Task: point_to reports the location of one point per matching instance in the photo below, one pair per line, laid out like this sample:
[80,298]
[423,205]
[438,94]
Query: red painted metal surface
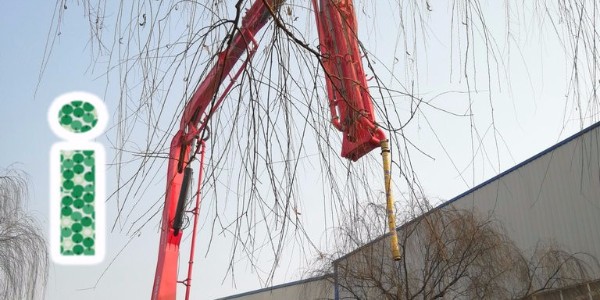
[165,278]
[349,99]
[350,105]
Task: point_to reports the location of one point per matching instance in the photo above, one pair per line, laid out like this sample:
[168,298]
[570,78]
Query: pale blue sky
[529,120]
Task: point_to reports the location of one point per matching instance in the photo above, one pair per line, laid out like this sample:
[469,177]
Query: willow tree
[449,253]
[274,126]
[23,251]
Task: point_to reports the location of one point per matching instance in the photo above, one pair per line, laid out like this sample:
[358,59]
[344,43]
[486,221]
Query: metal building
[552,198]
[311,288]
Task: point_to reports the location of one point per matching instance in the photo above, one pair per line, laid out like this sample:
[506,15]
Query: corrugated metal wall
[555,197]
[317,288]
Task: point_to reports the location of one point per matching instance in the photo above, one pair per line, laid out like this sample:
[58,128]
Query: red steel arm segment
[349,98]
[165,279]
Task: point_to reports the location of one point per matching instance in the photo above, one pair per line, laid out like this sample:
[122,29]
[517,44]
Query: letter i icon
[77,175]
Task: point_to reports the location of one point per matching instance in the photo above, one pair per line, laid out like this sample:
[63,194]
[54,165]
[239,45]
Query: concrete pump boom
[349,102]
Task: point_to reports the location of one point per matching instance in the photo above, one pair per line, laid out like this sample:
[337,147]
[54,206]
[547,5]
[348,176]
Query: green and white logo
[77,233]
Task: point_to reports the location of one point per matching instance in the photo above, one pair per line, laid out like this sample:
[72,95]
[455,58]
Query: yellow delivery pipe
[385,154]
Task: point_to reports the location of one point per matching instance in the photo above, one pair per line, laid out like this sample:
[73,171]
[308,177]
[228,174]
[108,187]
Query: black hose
[183,194]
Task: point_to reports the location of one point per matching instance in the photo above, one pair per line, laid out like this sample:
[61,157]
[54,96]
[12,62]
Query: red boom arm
[350,104]
[349,98]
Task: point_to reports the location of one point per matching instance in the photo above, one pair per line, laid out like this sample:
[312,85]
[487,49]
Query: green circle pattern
[77,220]
[78,116]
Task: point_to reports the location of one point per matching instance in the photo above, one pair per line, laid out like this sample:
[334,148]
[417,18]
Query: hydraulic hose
[178,220]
